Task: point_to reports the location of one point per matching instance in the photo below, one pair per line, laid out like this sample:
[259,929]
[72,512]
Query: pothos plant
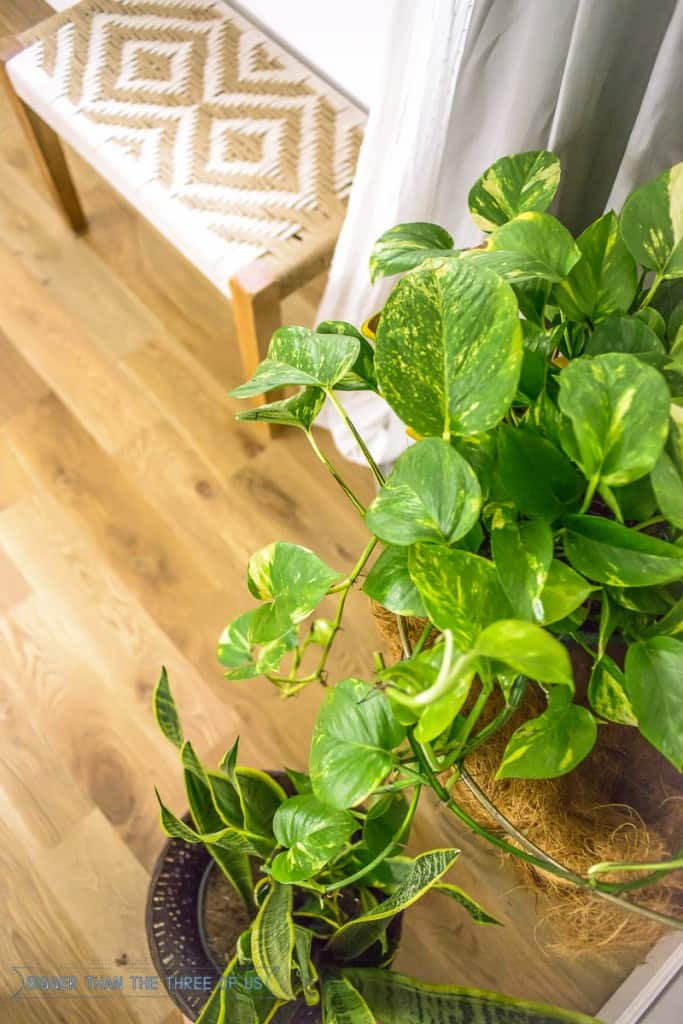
[540,377]
[323,889]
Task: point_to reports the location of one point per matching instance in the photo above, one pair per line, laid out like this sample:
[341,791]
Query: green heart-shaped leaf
[293,580]
[460,590]
[668,487]
[297,355]
[522,553]
[406,246]
[611,553]
[528,649]
[552,744]
[357,935]
[514,185]
[432,493]
[605,279]
[619,411]
[654,685]
[384,821]
[532,246]
[524,458]
[652,223]
[299,411]
[353,741]
[449,349]
[389,583]
[361,376]
[629,335]
[563,592]
[607,693]
[313,834]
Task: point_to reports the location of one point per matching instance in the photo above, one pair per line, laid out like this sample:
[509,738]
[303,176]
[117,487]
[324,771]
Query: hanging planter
[603,811]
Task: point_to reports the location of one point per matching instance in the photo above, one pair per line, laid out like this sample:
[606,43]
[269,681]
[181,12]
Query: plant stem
[336,622]
[650,522]
[518,690]
[539,860]
[592,485]
[357,438]
[337,476]
[395,839]
[653,288]
[423,638]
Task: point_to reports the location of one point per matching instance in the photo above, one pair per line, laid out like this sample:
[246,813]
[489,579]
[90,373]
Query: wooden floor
[129,502]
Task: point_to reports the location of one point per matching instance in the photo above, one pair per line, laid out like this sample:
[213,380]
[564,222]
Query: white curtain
[598,82]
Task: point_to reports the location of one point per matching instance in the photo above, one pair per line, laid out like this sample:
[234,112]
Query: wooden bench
[233,149]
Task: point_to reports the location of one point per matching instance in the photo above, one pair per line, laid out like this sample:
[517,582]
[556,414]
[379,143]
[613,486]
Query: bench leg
[256,308]
[49,155]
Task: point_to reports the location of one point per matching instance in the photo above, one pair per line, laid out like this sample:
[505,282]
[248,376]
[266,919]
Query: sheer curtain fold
[467,81]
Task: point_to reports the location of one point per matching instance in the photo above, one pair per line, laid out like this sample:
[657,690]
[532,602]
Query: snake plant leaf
[668,487]
[361,376]
[533,246]
[293,580]
[619,411]
[234,863]
[514,185]
[563,592]
[389,583]
[303,942]
[524,458]
[236,1000]
[261,796]
[460,590]
[608,552]
[343,1004]
[431,494]
[607,693]
[628,335]
[397,999]
[654,685]
[474,909]
[551,744]
[298,411]
[312,833]
[353,740]
[226,798]
[653,319]
[359,934]
[604,280]
[449,349]
[406,246]
[297,355]
[522,553]
[225,838]
[652,223]
[165,711]
[272,941]
[527,648]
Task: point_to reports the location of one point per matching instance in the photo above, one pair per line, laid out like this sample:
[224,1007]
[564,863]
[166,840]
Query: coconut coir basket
[624,802]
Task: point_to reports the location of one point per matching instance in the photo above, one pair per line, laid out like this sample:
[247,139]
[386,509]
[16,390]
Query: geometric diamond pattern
[224,140]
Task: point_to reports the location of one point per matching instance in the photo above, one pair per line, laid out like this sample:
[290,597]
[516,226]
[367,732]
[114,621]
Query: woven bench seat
[230,146]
